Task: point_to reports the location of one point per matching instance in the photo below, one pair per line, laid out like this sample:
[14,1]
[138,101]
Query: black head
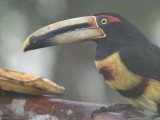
[116,26]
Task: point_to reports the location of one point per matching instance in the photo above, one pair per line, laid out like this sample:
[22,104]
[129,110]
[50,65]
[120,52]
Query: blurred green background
[70,65]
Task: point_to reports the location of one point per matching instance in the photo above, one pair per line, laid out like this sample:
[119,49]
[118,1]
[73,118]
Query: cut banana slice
[28,83]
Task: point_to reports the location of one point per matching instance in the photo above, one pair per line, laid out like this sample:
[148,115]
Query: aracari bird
[126,60]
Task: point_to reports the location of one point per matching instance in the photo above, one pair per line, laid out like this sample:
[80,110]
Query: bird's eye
[104,21]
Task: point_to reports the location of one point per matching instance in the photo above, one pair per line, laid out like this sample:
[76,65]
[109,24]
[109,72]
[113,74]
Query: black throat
[105,48]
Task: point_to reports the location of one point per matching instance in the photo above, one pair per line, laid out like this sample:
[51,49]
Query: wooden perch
[25,107]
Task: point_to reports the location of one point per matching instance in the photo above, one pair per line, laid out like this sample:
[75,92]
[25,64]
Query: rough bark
[24,107]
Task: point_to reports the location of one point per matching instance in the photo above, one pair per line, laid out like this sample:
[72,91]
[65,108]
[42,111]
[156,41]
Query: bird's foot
[100,110]
[111,108]
[152,117]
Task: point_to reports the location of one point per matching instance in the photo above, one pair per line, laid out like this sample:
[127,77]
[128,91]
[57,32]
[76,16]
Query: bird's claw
[100,110]
[112,108]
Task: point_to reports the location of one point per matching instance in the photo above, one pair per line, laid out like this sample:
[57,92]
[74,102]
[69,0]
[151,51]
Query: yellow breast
[119,76]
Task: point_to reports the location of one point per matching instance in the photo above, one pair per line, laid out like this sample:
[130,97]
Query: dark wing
[143,60]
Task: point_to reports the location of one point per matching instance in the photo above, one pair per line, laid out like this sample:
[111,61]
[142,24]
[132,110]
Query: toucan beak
[67,31]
